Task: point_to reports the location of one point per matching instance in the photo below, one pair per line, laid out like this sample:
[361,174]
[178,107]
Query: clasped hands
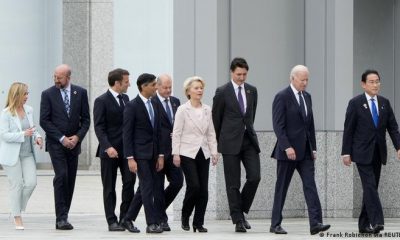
[70,142]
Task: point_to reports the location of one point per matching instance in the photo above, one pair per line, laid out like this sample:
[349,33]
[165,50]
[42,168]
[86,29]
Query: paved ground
[88,219]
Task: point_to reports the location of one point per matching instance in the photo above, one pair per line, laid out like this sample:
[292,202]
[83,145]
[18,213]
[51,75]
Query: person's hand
[214,159]
[74,140]
[111,152]
[314,155]
[347,160]
[290,153]
[398,154]
[39,142]
[160,163]
[29,132]
[132,165]
[177,160]
[66,142]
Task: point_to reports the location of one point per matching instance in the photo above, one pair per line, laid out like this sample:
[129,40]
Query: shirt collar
[68,88]
[296,93]
[143,98]
[162,99]
[369,97]
[114,93]
[235,86]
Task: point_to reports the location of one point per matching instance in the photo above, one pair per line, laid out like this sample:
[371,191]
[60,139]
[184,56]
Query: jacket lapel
[29,116]
[294,100]
[113,100]
[144,110]
[60,100]
[232,94]
[367,110]
[192,115]
[381,108]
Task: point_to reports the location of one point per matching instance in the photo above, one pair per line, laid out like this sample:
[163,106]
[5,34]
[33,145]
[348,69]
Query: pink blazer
[190,133]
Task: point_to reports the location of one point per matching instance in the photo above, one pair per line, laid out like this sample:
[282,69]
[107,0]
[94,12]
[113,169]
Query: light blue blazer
[11,136]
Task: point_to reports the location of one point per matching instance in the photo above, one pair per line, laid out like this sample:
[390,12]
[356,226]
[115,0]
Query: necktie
[375,116]
[302,106]
[121,102]
[66,101]
[240,99]
[151,112]
[169,114]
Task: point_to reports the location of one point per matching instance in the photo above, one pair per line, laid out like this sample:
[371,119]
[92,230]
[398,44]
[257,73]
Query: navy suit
[293,130]
[142,141]
[366,145]
[55,121]
[108,122]
[173,173]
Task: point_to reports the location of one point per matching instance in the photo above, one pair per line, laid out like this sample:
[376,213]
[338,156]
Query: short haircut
[368,72]
[188,83]
[296,69]
[239,62]
[116,75]
[144,79]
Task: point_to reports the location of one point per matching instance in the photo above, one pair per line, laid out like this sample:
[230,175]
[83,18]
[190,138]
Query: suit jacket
[229,122]
[190,133]
[290,128]
[360,136]
[166,126]
[140,139]
[12,135]
[108,119]
[54,118]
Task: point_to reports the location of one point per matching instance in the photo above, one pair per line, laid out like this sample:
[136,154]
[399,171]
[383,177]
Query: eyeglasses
[374,82]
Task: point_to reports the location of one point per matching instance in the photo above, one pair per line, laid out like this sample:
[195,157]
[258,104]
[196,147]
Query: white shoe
[18,227]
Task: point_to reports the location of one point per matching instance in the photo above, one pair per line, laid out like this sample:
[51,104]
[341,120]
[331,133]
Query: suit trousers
[175,178]
[149,193]
[22,181]
[65,165]
[284,173]
[371,211]
[240,201]
[109,168]
[196,173]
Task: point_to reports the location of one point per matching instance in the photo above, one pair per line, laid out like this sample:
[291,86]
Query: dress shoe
[240,226]
[367,230]
[165,226]
[114,227]
[277,230]
[246,223]
[185,223]
[128,225]
[378,228]
[199,228]
[64,225]
[319,228]
[154,228]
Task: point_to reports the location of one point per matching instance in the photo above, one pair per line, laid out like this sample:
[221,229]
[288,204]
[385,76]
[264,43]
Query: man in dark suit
[145,154]
[64,116]
[108,119]
[167,106]
[368,116]
[234,110]
[295,149]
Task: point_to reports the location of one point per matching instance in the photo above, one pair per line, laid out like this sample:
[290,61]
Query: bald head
[62,75]
[299,77]
[164,85]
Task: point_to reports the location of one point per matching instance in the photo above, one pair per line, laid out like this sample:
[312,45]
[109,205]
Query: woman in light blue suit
[17,155]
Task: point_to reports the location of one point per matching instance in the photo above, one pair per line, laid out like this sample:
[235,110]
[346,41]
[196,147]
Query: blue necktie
[169,114]
[151,112]
[66,101]
[240,99]
[375,116]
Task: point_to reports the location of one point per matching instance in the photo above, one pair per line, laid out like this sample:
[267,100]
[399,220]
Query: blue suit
[295,131]
[141,141]
[55,121]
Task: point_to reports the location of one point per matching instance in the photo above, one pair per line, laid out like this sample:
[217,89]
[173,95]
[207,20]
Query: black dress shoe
[154,228]
[277,230]
[240,226]
[185,223]
[199,228]
[378,228]
[367,230]
[246,224]
[128,225]
[114,227]
[64,225]
[319,228]
[165,226]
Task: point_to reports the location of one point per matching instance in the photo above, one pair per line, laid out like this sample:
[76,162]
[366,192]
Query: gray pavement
[88,219]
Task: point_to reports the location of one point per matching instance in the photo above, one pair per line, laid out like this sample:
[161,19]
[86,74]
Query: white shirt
[370,102]
[145,100]
[115,95]
[243,92]
[296,94]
